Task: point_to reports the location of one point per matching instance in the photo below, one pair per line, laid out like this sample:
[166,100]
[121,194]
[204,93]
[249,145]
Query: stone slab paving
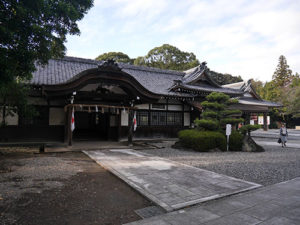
[169,184]
[277,204]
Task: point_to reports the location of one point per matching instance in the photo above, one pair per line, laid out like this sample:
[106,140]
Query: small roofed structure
[104,96]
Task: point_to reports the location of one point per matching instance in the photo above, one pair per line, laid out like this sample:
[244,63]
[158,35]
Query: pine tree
[282,74]
[217,113]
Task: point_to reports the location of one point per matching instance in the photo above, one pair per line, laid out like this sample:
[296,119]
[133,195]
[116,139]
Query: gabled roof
[250,97]
[67,69]
[198,74]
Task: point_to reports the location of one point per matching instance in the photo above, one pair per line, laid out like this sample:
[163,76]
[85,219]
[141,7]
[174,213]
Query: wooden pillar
[119,125]
[130,124]
[265,121]
[69,129]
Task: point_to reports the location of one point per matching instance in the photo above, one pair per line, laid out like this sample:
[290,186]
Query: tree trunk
[249,145]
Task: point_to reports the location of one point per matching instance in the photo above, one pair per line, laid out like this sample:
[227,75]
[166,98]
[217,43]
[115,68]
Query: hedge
[202,140]
[236,141]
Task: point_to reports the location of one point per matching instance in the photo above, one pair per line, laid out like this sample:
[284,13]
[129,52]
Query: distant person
[283,135]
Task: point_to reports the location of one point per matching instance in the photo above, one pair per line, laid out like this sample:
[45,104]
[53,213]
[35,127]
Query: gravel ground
[272,166]
[34,175]
[63,188]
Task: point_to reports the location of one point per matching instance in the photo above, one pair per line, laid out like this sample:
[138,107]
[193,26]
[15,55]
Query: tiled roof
[60,71]
[252,101]
[208,88]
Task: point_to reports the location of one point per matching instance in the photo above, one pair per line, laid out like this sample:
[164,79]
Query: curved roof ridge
[150,69]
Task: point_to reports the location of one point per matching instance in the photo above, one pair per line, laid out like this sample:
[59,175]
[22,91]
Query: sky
[239,37]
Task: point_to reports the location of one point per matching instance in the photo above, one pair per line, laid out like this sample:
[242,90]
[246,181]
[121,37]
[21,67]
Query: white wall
[187,119]
[56,116]
[124,118]
[142,106]
[175,107]
[12,120]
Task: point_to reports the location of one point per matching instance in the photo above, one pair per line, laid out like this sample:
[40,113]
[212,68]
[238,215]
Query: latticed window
[158,118]
[174,118]
[142,118]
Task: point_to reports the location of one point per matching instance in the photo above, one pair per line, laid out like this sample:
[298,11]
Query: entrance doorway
[91,126]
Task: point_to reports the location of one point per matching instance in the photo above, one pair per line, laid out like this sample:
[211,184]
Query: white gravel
[272,166]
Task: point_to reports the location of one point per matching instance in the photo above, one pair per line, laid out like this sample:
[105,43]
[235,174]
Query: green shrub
[202,141]
[235,141]
[207,124]
[246,129]
[231,121]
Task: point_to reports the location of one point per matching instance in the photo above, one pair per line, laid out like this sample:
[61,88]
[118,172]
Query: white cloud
[240,37]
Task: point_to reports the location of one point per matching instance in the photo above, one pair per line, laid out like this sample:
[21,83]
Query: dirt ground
[63,188]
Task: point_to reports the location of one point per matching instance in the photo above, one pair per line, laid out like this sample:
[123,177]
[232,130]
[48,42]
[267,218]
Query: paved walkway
[274,143]
[278,204]
[169,184]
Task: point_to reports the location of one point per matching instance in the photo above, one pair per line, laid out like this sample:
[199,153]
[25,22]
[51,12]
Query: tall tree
[35,31]
[282,74]
[32,32]
[116,56]
[226,78]
[168,57]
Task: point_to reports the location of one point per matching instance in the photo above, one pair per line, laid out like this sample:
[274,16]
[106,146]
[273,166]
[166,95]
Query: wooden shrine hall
[103,97]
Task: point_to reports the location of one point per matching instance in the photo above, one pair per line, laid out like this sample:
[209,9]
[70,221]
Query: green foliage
[231,112]
[294,109]
[235,141]
[13,100]
[216,112]
[217,97]
[116,56]
[246,129]
[282,74]
[212,105]
[168,57]
[206,124]
[226,78]
[210,114]
[202,140]
[35,31]
[32,32]
[231,121]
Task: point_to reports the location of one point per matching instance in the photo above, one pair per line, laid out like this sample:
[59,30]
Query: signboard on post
[228,133]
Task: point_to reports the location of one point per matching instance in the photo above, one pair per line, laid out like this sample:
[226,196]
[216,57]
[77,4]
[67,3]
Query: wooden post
[130,123]
[119,125]
[265,121]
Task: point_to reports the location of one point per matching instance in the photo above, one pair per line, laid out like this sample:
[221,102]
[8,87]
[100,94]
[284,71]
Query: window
[158,118]
[174,118]
[142,118]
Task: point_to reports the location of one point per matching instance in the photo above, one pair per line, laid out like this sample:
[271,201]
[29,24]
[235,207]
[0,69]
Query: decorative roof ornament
[109,64]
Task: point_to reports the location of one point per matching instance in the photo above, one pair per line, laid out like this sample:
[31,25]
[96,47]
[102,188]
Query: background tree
[282,74]
[116,56]
[226,78]
[168,57]
[33,32]
[13,101]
